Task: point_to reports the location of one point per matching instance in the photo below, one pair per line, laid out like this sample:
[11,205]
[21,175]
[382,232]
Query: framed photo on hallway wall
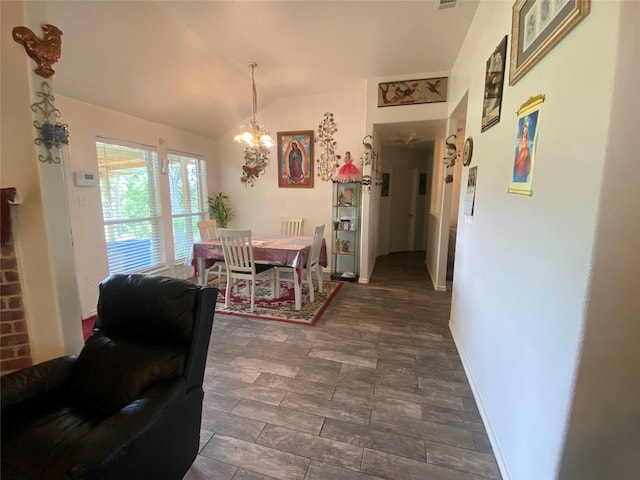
[295,159]
[493,83]
[537,26]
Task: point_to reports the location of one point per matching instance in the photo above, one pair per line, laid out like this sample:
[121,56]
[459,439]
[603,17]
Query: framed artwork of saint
[295,159]
[525,149]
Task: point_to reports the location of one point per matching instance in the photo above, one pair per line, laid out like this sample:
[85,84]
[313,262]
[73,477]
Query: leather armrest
[29,383]
[115,435]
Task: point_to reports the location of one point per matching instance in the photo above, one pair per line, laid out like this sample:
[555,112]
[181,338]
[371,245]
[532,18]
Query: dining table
[278,250]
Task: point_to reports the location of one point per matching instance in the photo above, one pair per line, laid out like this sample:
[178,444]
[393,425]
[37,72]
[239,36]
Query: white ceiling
[184,63]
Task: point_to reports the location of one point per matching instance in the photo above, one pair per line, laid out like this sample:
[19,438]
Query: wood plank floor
[375,390]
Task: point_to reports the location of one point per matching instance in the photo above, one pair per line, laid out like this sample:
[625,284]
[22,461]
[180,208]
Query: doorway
[402,225]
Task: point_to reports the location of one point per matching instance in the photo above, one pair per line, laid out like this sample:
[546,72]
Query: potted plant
[220,210]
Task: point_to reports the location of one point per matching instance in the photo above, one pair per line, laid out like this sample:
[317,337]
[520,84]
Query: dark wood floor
[375,390]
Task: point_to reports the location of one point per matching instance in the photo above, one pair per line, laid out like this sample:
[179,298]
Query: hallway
[375,390]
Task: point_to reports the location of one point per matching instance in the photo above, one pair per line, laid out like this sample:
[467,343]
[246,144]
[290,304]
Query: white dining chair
[209,231]
[238,257]
[291,226]
[312,266]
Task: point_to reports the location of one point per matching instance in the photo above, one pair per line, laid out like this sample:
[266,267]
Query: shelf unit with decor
[345,244]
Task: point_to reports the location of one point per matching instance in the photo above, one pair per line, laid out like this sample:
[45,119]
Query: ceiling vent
[445,4]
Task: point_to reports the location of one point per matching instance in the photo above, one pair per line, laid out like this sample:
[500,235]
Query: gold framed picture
[537,26]
[295,159]
[525,149]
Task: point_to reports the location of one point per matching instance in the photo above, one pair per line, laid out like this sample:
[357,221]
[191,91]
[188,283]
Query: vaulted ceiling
[184,63]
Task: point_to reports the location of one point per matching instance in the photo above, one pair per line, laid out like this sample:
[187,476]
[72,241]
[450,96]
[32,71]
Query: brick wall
[15,352]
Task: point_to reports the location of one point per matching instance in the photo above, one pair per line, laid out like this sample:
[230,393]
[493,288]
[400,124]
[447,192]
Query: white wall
[603,440]
[43,243]
[456,186]
[522,268]
[86,122]
[439,218]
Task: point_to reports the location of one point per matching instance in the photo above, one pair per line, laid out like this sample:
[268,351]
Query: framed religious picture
[493,83]
[525,150]
[295,159]
[537,26]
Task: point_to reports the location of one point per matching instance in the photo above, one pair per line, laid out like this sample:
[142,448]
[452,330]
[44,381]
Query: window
[130,206]
[188,200]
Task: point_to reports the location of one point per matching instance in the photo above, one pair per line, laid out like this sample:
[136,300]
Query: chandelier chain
[253,65]
[256,140]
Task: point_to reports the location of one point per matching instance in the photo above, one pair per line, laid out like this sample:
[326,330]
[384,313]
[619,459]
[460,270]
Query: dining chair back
[312,266]
[291,226]
[238,258]
[313,263]
[209,231]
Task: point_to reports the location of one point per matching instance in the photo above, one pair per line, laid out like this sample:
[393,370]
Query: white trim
[497,452]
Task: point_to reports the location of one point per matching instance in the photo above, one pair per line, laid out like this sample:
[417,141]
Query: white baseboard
[502,466]
[436,287]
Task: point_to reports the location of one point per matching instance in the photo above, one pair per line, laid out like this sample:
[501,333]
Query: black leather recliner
[129,405]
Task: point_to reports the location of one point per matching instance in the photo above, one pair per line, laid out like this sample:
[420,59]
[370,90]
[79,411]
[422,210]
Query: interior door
[403,189]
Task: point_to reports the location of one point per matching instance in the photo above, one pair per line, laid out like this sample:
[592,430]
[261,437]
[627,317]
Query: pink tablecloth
[272,249]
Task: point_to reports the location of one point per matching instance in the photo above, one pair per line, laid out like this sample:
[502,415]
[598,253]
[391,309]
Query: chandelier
[256,140]
[255,135]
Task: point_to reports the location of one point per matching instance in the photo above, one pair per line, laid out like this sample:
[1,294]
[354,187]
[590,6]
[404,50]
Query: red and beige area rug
[282,308]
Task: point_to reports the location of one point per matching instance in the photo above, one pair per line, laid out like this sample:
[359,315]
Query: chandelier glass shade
[254,135]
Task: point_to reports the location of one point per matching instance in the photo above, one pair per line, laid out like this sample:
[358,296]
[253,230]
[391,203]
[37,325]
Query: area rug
[282,308]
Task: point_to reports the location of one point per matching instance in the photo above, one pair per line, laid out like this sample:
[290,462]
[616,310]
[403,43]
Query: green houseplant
[220,210]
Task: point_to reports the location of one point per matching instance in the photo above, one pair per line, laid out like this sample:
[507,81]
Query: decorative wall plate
[467,152]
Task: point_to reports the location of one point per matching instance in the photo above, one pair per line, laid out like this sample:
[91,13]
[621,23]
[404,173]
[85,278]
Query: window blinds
[129,187]
[188,200]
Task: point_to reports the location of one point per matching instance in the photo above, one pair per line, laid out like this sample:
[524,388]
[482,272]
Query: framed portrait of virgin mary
[295,159]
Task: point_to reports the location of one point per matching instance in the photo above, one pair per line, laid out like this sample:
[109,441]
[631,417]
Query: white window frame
[122,259]
[191,212]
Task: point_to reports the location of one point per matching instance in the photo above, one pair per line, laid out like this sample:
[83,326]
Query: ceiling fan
[406,139]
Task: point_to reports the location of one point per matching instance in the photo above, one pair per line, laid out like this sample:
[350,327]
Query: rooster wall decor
[44,52]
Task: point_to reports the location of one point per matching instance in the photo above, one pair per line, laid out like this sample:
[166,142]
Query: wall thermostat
[84,179]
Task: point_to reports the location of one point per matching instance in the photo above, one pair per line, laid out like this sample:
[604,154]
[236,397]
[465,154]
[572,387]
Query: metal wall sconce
[328,161]
[50,134]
